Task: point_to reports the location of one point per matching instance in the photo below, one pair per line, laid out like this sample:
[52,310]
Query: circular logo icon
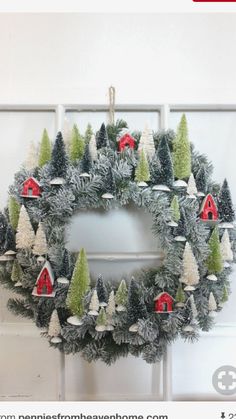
[224,380]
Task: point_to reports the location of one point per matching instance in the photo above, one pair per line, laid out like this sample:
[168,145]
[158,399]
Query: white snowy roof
[159,295]
[35,180]
[50,271]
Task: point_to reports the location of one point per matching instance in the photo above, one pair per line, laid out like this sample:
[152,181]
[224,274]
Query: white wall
[51,59]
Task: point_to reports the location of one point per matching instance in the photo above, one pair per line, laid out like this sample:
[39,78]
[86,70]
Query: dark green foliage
[110,182]
[166,176]
[101,137]
[155,170]
[114,130]
[225,205]
[10,243]
[66,268]
[59,160]
[101,290]
[86,161]
[181,230]
[136,308]
[169,135]
[3,231]
[201,180]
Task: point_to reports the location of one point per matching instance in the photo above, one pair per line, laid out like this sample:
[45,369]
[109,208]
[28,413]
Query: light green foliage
[79,286]
[14,212]
[182,151]
[180,296]
[175,209]
[88,133]
[16,273]
[214,260]
[142,173]
[77,145]
[45,149]
[121,297]
[102,318]
[225,295]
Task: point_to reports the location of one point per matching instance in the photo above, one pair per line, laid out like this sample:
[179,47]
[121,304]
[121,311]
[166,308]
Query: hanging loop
[112,96]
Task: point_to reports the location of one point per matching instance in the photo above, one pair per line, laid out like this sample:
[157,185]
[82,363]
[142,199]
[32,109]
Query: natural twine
[112,95]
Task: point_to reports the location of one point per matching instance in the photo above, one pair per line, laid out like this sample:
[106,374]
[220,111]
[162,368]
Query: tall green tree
[166,173]
[175,209]
[86,162]
[102,137]
[214,261]
[201,180]
[79,285]
[59,161]
[136,308]
[121,297]
[14,211]
[77,145]
[180,295]
[3,231]
[45,149]
[10,243]
[225,205]
[182,151]
[17,272]
[101,290]
[142,173]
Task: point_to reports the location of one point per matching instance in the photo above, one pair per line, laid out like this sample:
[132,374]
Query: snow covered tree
[93,148]
[59,160]
[193,307]
[86,161]
[121,297]
[225,205]
[175,209]
[109,183]
[88,133]
[191,189]
[17,272]
[94,304]
[24,234]
[54,327]
[182,152]
[101,320]
[214,260]
[190,274]
[180,296]
[102,137]
[79,285]
[101,290]
[65,270]
[3,231]
[77,145]
[32,157]
[45,149]
[146,143]
[201,180]
[181,230]
[136,308]
[212,306]
[10,243]
[111,306]
[142,173]
[40,244]
[164,157]
[14,211]
[225,247]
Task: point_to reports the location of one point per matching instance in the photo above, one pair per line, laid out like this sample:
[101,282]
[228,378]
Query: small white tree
[111,306]
[212,306]
[32,157]
[193,307]
[146,143]
[225,248]
[54,328]
[191,189]
[190,275]
[93,148]
[40,243]
[24,234]
[94,304]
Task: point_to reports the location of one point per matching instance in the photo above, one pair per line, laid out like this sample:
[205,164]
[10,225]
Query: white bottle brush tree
[146,143]
[212,306]
[192,189]
[94,304]
[110,310]
[25,234]
[54,328]
[190,275]
[40,244]
[225,247]
[32,157]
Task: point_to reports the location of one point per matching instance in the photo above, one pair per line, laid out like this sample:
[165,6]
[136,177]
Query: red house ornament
[163,303]
[126,140]
[208,211]
[44,283]
[31,188]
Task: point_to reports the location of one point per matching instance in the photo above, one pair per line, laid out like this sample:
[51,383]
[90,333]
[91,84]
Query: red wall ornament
[31,188]
[126,141]
[163,303]
[44,283]
[208,211]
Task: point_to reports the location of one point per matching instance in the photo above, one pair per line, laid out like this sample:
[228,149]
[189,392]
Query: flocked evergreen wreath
[193,219]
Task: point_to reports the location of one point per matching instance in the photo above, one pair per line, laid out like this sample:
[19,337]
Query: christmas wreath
[193,218]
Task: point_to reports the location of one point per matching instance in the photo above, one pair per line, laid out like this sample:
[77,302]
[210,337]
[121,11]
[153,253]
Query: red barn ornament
[31,188]
[208,211]
[126,140]
[44,283]
[163,303]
